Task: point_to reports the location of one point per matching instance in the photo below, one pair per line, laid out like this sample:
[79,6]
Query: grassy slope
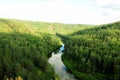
[11,25]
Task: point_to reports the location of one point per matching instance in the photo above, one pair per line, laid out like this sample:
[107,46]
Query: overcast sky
[63,11]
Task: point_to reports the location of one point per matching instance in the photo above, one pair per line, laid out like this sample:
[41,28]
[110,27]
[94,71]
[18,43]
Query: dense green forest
[26,56]
[25,47]
[24,52]
[91,52]
[94,54]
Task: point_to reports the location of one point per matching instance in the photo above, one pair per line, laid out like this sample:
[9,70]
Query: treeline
[94,54]
[12,25]
[25,55]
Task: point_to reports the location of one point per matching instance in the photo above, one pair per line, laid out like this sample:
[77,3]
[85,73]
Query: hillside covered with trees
[26,56]
[94,54]
[12,25]
[24,52]
[25,47]
[91,52]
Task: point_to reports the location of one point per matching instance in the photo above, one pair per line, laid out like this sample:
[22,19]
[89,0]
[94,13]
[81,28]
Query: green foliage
[91,52]
[26,55]
[25,47]
[11,25]
[94,54]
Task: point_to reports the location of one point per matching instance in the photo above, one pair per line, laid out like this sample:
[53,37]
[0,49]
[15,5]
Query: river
[59,68]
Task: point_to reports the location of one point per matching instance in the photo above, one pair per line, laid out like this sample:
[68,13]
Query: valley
[92,52]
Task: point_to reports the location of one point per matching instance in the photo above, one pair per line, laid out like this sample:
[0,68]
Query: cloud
[114,3]
[110,7]
[111,4]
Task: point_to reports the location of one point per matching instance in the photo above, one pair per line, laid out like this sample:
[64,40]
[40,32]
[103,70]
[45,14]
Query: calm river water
[59,67]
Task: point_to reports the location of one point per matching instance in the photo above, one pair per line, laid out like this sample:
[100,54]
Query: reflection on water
[59,67]
[61,48]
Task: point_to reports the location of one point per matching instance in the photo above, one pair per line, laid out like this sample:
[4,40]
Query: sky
[62,11]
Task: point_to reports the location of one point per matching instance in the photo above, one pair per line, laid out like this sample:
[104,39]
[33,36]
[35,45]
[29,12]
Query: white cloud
[110,9]
[106,2]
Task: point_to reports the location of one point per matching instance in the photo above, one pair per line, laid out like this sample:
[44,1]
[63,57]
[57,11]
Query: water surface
[59,67]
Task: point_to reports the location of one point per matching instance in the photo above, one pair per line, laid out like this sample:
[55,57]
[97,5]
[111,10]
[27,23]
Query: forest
[24,53]
[26,56]
[92,52]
